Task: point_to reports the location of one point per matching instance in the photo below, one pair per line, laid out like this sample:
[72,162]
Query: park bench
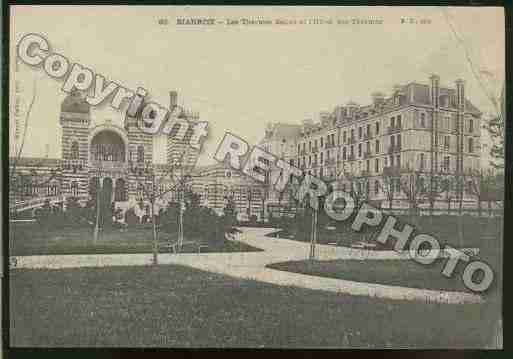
[173,245]
[363,245]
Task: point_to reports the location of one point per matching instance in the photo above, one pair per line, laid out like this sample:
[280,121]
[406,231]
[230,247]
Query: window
[377,146]
[421,185]
[470,145]
[309,160]
[367,166]
[74,189]
[399,141]
[368,130]
[352,151]
[352,134]
[446,142]
[392,141]
[446,163]
[398,121]
[120,192]
[74,151]
[376,165]
[359,150]
[322,157]
[423,120]
[140,190]
[309,145]
[471,125]
[344,136]
[140,153]
[377,128]
[392,161]
[344,154]
[322,142]
[422,161]
[298,148]
[392,122]
[360,132]
[304,146]
[398,160]
[367,147]
[291,162]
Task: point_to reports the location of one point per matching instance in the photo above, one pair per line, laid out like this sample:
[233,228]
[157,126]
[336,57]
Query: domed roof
[75,103]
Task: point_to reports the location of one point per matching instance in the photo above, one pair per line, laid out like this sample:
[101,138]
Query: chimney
[351,109]
[460,94]
[434,90]
[378,98]
[173,99]
[339,113]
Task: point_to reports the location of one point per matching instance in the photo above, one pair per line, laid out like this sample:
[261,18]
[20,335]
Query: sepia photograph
[255,177]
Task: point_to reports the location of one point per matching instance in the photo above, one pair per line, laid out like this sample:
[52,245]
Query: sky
[238,77]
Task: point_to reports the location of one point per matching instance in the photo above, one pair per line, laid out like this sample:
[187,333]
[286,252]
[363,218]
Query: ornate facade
[117,158]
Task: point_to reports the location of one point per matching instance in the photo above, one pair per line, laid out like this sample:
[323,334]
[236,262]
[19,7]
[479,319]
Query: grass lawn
[480,233]
[34,240]
[177,306]
[406,273]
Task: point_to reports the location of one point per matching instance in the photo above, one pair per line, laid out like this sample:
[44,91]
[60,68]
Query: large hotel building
[425,129]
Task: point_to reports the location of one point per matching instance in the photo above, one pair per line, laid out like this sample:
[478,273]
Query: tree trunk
[460,222]
[154,228]
[313,238]
[97,224]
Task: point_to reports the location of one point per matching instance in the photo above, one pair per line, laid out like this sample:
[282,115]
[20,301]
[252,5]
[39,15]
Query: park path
[252,265]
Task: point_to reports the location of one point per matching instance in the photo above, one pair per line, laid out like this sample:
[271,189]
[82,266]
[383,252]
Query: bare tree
[389,185]
[412,185]
[178,173]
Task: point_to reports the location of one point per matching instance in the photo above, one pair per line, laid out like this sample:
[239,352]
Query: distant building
[216,184]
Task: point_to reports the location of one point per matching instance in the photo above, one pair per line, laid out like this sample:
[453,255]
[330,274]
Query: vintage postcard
[262,177]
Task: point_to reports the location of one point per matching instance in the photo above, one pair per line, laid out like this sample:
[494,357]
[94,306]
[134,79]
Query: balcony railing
[394,129]
[393,149]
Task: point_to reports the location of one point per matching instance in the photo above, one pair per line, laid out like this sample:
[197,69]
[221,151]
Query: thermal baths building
[115,157]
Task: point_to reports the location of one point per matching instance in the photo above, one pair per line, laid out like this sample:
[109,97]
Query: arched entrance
[108,145]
